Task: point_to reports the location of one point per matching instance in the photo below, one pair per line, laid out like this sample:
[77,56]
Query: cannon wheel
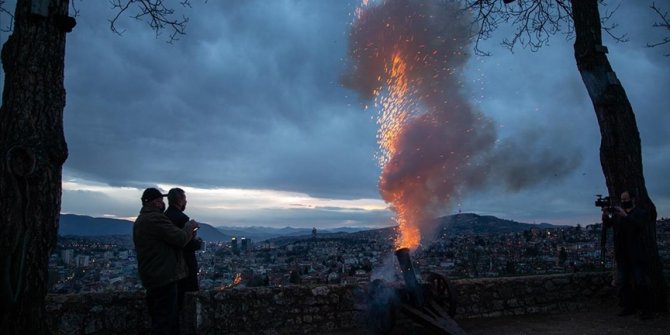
[442,291]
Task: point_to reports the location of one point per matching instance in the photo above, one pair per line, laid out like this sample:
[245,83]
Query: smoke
[409,57]
[385,271]
[522,162]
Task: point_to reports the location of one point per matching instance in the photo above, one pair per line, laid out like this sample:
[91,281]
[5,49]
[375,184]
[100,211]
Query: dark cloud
[82,201]
[98,204]
[251,98]
[246,99]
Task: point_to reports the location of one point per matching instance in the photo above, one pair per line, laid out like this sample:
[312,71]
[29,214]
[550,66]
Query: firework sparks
[406,57]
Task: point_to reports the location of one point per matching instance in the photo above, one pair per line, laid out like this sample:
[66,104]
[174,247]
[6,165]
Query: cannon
[431,303]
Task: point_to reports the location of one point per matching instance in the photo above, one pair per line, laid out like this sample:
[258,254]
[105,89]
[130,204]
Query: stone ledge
[485,297]
[316,309]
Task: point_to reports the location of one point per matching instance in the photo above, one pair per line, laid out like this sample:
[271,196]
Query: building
[67,255]
[233,245]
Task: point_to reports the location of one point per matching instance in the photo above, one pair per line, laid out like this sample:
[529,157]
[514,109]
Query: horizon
[131,219]
[252,119]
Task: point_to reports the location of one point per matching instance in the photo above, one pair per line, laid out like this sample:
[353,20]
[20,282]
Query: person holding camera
[160,262]
[632,268]
[176,206]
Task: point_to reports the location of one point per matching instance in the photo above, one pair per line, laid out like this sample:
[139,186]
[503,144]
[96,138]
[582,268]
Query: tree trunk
[620,148]
[32,153]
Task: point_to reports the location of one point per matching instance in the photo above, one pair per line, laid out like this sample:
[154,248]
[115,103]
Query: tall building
[245,244]
[67,255]
[233,244]
[83,260]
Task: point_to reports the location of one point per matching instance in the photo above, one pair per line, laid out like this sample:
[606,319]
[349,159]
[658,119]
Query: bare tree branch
[5,12]
[610,27]
[155,13]
[534,21]
[75,10]
[664,23]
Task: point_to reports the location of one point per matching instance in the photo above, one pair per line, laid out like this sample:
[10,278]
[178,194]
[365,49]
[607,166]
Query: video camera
[603,202]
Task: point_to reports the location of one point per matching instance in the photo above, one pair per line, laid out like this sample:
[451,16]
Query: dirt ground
[600,319]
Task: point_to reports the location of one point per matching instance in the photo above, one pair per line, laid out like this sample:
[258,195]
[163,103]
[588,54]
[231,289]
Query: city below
[465,246]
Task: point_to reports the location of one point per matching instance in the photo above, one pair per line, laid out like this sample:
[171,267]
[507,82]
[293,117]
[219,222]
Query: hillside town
[108,263]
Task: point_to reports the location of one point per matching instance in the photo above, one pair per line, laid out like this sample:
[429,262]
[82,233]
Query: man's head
[152,197]
[177,198]
[627,200]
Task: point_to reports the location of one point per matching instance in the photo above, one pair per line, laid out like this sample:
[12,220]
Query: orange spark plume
[406,55]
[394,114]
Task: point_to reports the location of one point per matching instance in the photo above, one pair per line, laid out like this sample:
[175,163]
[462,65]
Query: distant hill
[209,233]
[447,226]
[452,225]
[326,234]
[81,225]
[470,224]
[473,224]
[267,233]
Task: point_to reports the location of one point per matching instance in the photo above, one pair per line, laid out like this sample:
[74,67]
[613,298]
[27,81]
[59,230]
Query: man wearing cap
[158,244]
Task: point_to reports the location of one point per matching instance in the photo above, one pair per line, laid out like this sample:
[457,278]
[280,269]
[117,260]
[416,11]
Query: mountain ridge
[456,224]
[84,225]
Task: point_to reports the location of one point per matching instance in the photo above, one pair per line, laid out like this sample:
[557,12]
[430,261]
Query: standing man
[158,244]
[177,205]
[632,269]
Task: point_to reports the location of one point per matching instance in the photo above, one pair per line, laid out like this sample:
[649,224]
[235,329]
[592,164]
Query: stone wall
[97,313]
[317,309]
[493,297]
[263,310]
[275,310]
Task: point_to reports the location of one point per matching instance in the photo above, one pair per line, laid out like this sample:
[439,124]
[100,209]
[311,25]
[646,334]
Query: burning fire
[409,56]
[236,281]
[404,57]
[394,114]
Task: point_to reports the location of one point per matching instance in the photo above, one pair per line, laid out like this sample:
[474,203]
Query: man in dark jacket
[175,211]
[160,263]
[632,268]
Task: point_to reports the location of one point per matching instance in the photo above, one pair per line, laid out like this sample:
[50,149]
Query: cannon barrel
[411,284]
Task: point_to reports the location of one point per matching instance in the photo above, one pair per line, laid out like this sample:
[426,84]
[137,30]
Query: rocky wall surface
[493,297]
[275,310]
[317,309]
[264,310]
[97,313]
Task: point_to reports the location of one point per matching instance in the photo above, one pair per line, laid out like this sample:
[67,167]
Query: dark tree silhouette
[33,148]
[535,21]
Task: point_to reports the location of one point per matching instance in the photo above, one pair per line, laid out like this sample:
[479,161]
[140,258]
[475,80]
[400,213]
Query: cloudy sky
[247,112]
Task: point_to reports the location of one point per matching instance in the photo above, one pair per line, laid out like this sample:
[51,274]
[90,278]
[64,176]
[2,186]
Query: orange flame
[236,281]
[408,55]
[396,109]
